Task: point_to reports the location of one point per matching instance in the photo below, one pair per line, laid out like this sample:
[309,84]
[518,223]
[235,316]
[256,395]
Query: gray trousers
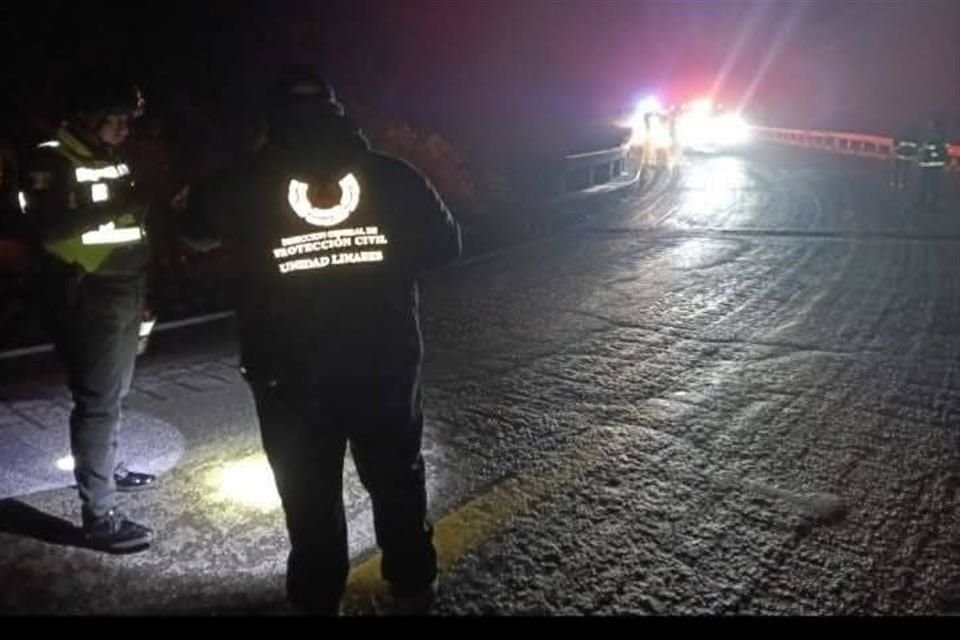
[97,322]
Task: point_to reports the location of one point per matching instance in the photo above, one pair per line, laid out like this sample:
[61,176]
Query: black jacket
[323,297]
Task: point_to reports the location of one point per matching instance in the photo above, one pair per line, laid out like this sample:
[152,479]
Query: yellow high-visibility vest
[95,180]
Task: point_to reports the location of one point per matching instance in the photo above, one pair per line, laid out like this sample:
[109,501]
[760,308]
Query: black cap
[300,83]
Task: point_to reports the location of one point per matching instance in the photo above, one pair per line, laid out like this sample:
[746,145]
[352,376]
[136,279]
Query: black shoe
[113,532]
[130,481]
[414,604]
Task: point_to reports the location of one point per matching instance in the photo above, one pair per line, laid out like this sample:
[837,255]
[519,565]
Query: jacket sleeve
[52,210]
[201,224]
[436,239]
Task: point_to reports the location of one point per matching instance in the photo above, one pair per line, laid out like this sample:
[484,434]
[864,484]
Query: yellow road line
[467,527]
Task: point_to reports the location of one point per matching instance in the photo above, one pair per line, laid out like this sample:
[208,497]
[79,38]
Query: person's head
[299,101]
[105,109]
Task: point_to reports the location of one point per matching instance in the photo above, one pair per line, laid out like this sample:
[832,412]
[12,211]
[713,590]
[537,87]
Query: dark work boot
[114,533]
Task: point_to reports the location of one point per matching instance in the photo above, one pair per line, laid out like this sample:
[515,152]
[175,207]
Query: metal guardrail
[858,144]
[596,171]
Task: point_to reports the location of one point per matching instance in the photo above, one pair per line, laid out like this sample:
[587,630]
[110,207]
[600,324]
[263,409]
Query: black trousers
[305,431]
[95,322]
[930,184]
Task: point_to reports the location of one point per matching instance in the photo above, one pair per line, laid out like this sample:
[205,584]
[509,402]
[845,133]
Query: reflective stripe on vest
[91,249]
[97,174]
[110,234]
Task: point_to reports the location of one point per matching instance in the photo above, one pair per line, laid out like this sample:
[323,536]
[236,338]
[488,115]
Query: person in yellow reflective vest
[87,223]
[905,152]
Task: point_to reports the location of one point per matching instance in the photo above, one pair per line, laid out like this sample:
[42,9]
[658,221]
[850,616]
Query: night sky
[464,66]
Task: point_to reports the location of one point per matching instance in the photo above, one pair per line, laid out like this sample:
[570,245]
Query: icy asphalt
[732,391]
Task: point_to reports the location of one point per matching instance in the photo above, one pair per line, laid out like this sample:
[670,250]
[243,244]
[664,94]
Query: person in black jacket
[328,239]
[933,159]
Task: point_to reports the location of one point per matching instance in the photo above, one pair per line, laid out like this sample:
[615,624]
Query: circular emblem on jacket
[298,196]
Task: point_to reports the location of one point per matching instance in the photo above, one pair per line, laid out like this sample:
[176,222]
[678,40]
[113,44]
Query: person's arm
[437,239]
[200,207]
